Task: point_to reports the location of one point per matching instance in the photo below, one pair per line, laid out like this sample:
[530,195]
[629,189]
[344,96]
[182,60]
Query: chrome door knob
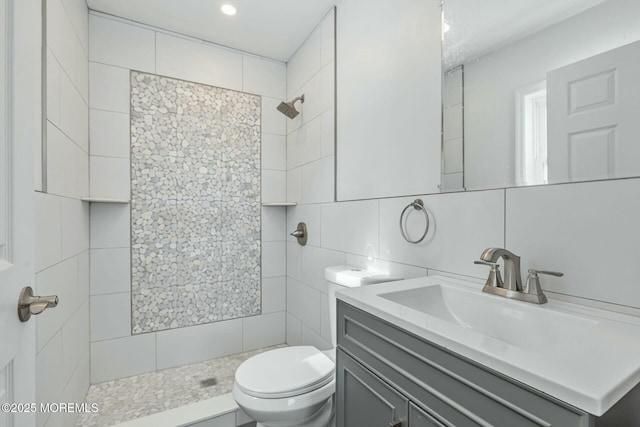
[30,304]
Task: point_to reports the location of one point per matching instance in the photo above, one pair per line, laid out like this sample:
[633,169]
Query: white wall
[62,227]
[116,47]
[586,230]
[310,166]
[491,83]
[310,136]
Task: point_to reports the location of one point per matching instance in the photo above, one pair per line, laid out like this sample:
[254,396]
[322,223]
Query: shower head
[288,109]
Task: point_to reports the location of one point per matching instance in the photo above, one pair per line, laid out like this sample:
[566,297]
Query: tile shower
[135,397]
[195,203]
[180,126]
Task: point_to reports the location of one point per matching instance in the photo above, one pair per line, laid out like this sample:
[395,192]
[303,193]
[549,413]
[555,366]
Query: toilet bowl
[295,386]
[291,386]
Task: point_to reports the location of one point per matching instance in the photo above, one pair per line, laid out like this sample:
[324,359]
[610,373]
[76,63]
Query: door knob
[29,304]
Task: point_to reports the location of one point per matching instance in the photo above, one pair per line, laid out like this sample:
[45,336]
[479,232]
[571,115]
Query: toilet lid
[285,372]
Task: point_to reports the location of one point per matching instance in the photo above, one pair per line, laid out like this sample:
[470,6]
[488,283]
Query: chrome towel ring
[418,205]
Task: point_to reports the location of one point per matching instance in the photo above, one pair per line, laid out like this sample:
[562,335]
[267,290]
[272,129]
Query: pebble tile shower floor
[134,397]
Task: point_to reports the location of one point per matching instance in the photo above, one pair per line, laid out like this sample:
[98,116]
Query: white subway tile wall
[110,316]
[274,223]
[311,135]
[274,152]
[261,331]
[307,60]
[182,346]
[122,45]
[304,303]
[110,177]
[274,259]
[588,231]
[263,77]
[351,227]
[274,294]
[60,279]
[110,134]
[108,88]
[110,226]
[110,271]
[274,186]
[62,219]
[273,122]
[48,231]
[122,357]
[62,164]
[195,61]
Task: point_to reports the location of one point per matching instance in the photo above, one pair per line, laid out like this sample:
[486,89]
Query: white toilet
[294,386]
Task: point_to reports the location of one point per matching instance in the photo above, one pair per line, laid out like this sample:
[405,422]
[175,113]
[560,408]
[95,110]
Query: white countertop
[590,368]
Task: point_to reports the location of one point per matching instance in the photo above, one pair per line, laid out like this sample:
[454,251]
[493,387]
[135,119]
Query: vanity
[437,351]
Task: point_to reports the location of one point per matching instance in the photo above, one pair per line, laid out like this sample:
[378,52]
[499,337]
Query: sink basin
[519,324]
[586,357]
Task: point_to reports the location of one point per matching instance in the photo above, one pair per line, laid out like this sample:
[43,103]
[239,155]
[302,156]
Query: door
[364,400]
[593,112]
[20,116]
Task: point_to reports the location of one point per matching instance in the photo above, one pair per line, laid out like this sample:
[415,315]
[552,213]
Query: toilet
[294,386]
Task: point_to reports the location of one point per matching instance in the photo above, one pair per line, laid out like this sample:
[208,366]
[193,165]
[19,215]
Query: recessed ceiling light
[228,9]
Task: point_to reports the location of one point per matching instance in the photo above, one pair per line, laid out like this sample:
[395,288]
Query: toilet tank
[346,276]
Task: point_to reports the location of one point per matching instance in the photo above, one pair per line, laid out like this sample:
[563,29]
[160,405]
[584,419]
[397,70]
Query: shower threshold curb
[188,414]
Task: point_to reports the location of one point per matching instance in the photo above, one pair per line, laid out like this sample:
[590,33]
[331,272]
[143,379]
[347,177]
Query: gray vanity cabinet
[367,400]
[386,375]
[419,418]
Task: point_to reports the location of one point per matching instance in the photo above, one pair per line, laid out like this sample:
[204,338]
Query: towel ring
[418,205]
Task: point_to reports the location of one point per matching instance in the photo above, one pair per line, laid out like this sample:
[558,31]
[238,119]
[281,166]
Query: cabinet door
[419,418]
[364,400]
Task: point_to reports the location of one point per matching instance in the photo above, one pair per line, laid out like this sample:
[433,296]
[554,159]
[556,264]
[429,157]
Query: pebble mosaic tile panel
[195,203]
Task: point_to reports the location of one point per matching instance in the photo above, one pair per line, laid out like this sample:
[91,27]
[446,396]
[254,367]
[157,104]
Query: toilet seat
[285,372]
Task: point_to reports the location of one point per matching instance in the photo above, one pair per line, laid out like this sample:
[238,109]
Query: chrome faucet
[511,286]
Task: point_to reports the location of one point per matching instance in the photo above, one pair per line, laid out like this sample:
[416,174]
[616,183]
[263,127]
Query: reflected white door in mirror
[550,91]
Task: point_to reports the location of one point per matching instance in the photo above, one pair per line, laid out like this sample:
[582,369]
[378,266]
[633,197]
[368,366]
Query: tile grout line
[504,218]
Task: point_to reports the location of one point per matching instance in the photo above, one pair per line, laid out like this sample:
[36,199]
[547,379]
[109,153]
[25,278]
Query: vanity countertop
[586,357]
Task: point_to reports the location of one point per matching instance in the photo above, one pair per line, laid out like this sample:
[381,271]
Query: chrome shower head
[289,109]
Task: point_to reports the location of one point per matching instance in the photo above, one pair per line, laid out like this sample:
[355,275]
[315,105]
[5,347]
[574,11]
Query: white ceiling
[479,27]
[270,28]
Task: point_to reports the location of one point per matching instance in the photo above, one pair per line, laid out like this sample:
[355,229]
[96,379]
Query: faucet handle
[494,280]
[533,284]
[491,264]
[549,273]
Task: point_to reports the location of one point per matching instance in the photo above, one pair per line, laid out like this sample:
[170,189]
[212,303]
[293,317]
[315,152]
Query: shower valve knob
[300,233]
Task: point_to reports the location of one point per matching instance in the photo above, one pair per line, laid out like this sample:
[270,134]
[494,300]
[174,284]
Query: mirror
[387,98]
[539,91]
